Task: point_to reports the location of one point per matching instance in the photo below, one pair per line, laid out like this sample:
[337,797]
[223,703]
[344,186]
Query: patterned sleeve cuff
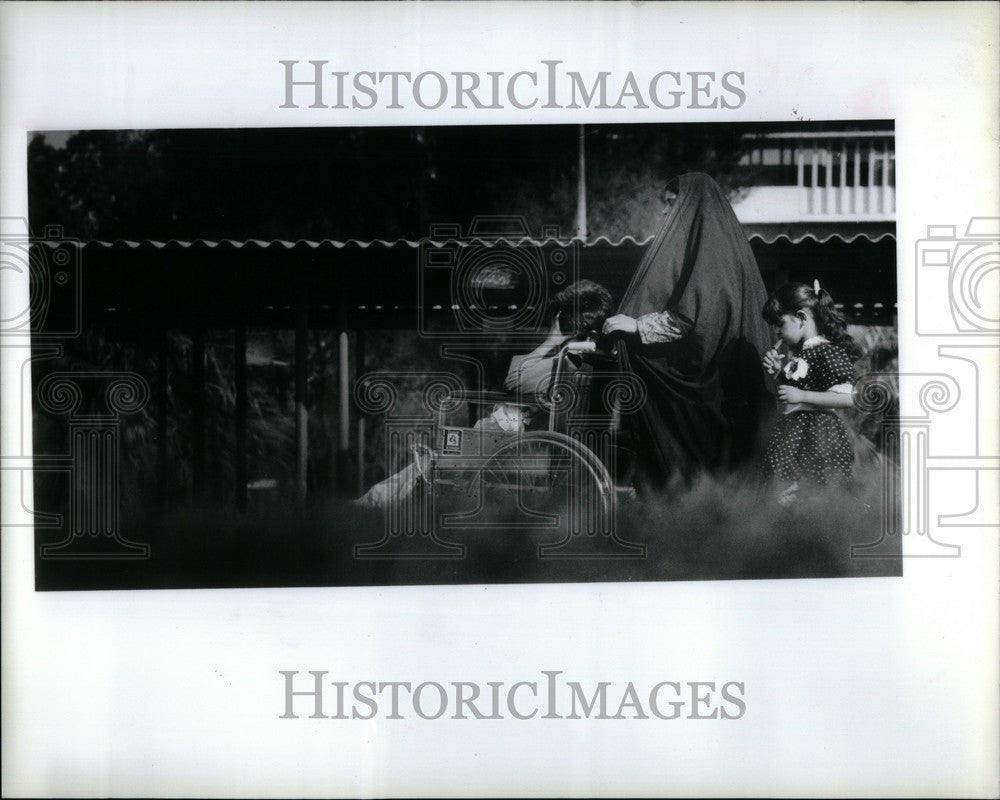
[842,388]
[660,327]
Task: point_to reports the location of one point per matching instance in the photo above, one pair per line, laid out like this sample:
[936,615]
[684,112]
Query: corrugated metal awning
[336,244]
[767,233]
[382,282]
[821,232]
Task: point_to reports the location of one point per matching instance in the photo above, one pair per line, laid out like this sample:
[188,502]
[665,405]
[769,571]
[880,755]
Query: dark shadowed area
[715,530]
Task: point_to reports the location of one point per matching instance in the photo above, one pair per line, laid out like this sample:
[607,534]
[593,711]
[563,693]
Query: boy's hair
[583,306]
[794,297]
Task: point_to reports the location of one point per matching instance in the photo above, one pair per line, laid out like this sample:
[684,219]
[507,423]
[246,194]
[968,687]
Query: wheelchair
[570,456]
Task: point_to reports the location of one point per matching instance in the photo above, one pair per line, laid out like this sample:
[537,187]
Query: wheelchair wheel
[543,467]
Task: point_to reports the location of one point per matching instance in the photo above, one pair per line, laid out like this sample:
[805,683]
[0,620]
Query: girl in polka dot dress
[809,444]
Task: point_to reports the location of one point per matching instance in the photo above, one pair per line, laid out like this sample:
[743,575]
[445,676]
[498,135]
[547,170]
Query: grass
[715,529]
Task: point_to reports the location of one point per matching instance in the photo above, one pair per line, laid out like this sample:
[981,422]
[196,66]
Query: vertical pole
[842,192]
[162,376]
[198,410]
[813,178]
[343,399]
[828,187]
[800,175]
[581,191]
[240,370]
[301,385]
[856,193]
[870,206]
[884,205]
[359,370]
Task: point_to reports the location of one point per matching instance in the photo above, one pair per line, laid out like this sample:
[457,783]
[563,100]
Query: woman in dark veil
[693,331]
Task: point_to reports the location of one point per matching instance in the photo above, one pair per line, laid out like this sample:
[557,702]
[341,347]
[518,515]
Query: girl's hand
[620,322]
[789,394]
[772,359]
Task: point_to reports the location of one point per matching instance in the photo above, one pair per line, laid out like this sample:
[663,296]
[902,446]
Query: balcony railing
[822,176]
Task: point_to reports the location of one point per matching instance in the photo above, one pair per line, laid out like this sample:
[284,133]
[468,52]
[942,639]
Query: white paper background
[869,686]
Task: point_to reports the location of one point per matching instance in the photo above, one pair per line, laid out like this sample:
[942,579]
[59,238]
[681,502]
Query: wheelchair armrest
[602,357]
[485,398]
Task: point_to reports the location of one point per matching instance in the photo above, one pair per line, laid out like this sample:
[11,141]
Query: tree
[365,183]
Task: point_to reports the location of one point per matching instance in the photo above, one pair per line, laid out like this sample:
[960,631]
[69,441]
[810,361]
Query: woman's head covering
[706,390]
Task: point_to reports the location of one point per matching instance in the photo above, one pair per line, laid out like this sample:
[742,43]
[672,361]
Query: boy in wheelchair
[577,312]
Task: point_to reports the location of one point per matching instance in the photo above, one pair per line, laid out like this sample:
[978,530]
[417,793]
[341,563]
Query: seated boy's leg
[487,424]
[391,490]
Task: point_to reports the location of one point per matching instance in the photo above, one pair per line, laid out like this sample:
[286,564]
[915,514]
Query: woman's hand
[789,394]
[620,323]
[772,360]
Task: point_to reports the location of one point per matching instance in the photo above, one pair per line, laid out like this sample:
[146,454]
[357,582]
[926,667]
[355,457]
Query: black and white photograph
[329,357]
[499,399]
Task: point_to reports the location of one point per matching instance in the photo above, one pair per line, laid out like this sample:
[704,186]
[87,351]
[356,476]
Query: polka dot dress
[812,445]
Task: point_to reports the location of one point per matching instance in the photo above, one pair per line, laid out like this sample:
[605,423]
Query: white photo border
[875,686]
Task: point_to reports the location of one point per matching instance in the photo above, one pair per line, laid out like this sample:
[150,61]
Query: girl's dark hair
[583,306]
[794,297]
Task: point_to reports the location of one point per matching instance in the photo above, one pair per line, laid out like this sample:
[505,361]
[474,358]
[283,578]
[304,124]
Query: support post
[581,191]
[240,371]
[343,399]
[870,194]
[884,200]
[856,202]
[814,180]
[301,386]
[359,370]
[198,411]
[842,192]
[162,376]
[828,200]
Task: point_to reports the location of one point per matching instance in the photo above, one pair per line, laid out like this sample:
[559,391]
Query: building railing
[820,175]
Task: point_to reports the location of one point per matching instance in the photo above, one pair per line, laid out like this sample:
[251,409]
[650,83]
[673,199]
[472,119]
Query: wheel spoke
[549,465]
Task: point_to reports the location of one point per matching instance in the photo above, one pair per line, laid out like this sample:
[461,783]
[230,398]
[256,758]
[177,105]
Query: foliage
[365,183]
